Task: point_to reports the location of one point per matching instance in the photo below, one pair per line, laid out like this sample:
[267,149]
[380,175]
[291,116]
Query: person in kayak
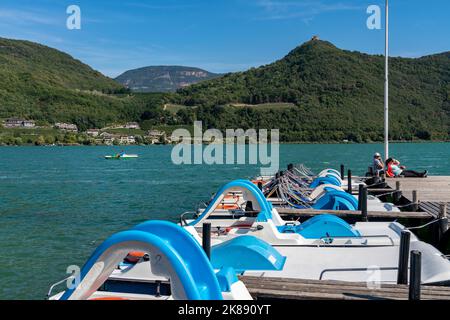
[394,169]
[119,155]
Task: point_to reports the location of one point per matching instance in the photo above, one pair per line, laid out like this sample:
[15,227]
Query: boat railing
[53,286]
[183,221]
[356,270]
[328,240]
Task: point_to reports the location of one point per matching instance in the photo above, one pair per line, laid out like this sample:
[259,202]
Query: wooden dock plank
[298,289]
[352,214]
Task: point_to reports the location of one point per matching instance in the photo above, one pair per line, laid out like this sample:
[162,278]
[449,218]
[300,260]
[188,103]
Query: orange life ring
[227,206]
[241,226]
[109,298]
[134,256]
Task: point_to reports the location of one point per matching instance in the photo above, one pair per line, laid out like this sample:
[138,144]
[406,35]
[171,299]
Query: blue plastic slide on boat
[315,228]
[336,200]
[320,227]
[246,253]
[180,258]
[325,180]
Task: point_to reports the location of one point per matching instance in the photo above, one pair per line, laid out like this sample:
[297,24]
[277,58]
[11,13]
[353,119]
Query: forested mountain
[316,93]
[41,83]
[338,94]
[163,78]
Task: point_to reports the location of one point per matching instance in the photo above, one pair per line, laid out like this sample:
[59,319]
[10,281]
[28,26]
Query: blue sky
[219,35]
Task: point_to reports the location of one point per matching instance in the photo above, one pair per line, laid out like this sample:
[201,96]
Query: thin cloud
[160,7]
[27,17]
[305,10]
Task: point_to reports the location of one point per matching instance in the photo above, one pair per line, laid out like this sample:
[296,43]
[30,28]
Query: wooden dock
[431,193]
[432,188]
[297,289]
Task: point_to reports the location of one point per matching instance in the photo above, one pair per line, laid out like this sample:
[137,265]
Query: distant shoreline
[281,143]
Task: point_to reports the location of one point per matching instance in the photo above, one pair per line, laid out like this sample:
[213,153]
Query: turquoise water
[58,204]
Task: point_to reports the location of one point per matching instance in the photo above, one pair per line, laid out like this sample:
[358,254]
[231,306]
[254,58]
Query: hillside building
[19,123]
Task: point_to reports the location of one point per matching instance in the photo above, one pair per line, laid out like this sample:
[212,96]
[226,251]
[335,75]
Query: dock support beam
[402,277]
[415,276]
[349,181]
[206,239]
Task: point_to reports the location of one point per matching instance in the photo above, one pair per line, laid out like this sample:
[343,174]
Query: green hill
[163,78]
[339,95]
[41,83]
[316,93]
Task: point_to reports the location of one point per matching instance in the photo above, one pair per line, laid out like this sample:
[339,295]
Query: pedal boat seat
[322,226]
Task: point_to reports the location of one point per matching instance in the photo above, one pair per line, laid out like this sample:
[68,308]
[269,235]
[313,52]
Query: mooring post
[206,239]
[370,171]
[364,214]
[415,275]
[342,172]
[360,196]
[398,193]
[443,221]
[402,276]
[349,181]
[260,185]
[290,167]
[415,199]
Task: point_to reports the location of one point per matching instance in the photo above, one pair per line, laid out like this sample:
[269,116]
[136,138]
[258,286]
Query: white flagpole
[386,87]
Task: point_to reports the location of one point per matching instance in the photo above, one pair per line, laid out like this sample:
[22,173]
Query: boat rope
[425,225]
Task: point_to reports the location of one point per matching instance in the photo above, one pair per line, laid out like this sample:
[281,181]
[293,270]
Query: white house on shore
[93,132]
[19,123]
[127,140]
[132,125]
[66,127]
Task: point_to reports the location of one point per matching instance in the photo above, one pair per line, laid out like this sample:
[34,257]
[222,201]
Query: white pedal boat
[173,266]
[322,248]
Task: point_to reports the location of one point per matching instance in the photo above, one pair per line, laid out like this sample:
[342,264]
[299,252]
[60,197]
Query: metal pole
[386,87]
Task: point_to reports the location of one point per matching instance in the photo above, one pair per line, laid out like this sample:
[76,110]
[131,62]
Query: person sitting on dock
[378,165]
[395,170]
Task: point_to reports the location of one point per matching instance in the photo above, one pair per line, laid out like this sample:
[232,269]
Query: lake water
[58,204]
